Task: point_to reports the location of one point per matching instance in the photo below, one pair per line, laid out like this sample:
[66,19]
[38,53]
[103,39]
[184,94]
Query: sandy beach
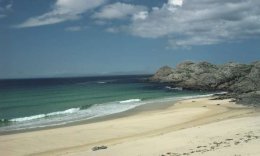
[189,127]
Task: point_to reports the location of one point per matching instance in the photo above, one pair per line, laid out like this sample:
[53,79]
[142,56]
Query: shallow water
[35,103]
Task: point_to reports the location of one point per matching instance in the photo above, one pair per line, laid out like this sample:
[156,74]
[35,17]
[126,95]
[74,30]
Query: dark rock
[229,139]
[249,98]
[242,81]
[99,148]
[236,143]
[162,73]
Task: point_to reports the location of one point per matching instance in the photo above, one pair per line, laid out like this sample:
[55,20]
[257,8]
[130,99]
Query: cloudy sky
[49,38]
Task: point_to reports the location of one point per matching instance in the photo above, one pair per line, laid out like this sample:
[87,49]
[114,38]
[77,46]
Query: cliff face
[241,80]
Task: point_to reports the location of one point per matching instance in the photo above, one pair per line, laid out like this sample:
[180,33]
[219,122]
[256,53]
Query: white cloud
[5,8]
[118,11]
[100,22]
[112,30]
[200,22]
[62,10]
[76,28]
[182,22]
[175,2]
[140,15]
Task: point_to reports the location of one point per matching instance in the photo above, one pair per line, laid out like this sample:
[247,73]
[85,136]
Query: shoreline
[128,130]
[156,104]
[129,112]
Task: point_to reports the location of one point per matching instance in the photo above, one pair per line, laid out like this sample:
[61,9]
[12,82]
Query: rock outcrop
[242,81]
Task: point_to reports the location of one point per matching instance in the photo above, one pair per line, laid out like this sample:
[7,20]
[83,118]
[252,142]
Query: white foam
[76,114]
[130,100]
[201,96]
[68,111]
[101,82]
[28,118]
[39,116]
[174,88]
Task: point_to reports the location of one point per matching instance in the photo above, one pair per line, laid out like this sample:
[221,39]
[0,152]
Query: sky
[60,38]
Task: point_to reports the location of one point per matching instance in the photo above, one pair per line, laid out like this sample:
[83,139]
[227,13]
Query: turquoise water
[44,102]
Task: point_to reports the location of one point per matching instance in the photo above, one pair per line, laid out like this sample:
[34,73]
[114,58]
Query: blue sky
[50,38]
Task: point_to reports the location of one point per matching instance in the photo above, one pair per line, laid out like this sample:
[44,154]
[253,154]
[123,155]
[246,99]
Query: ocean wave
[68,111]
[4,120]
[92,111]
[101,82]
[28,118]
[130,100]
[83,83]
[78,114]
[39,116]
[68,116]
[203,95]
[174,88]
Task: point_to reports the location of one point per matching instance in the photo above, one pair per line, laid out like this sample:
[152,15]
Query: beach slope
[188,127]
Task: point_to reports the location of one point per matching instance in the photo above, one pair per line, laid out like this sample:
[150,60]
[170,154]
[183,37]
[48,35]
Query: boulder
[99,148]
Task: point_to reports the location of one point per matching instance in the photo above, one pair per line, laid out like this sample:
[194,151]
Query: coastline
[129,112]
[150,105]
[131,129]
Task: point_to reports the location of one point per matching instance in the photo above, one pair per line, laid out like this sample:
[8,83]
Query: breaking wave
[39,116]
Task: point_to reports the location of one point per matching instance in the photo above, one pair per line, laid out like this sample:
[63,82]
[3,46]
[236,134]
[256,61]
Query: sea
[36,103]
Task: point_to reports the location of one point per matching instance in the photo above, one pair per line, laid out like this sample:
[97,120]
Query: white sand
[181,128]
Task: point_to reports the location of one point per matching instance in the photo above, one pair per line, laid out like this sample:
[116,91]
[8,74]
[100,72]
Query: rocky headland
[241,81]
